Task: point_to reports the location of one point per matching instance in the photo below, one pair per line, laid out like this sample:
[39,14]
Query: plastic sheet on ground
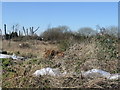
[11,56]
[96,73]
[48,71]
[16,57]
[5,56]
[114,76]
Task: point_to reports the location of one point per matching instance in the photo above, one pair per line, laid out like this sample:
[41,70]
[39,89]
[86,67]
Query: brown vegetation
[65,50]
[52,53]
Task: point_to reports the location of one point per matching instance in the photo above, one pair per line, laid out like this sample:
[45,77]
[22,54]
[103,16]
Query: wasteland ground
[99,53]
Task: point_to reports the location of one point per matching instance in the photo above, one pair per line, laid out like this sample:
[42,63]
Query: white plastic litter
[47,71]
[5,56]
[40,72]
[93,73]
[96,73]
[11,56]
[16,57]
[114,77]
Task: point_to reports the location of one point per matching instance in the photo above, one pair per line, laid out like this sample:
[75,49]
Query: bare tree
[33,32]
[24,30]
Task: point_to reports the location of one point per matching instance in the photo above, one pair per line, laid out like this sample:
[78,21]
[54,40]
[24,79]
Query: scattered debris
[114,76]
[5,56]
[17,57]
[48,71]
[11,56]
[96,73]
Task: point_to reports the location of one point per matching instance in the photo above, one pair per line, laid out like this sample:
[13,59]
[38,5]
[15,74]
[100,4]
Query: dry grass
[36,47]
[79,56]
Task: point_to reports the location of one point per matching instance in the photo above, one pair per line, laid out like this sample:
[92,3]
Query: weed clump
[64,45]
[107,47]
